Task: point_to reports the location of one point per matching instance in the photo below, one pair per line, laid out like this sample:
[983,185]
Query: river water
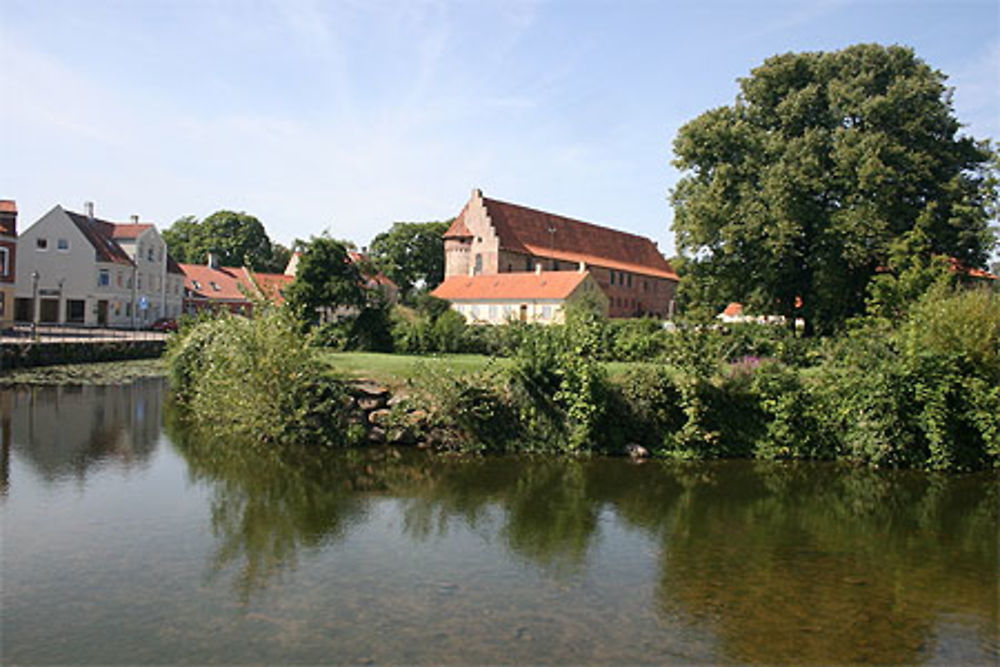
[127,540]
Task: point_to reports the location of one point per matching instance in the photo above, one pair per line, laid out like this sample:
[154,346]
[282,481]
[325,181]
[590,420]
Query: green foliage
[237,239]
[802,187]
[924,394]
[411,254]
[257,379]
[325,281]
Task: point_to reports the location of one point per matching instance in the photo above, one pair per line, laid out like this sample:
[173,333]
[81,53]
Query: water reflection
[809,563]
[73,431]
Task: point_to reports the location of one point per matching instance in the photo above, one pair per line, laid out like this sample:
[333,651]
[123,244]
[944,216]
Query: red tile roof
[733,310]
[377,278]
[130,231]
[527,230]
[272,285]
[957,267]
[8,206]
[221,284]
[100,234]
[458,229]
[511,286]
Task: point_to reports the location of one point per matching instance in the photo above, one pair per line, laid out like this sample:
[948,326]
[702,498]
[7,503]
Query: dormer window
[197,285]
[215,286]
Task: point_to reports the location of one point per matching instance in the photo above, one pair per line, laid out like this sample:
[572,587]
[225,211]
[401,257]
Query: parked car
[164,324]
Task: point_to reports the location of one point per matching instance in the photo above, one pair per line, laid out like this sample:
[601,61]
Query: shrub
[258,378]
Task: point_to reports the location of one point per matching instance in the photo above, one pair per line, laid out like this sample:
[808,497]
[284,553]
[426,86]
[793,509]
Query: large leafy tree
[237,239]
[411,254]
[325,280]
[798,191]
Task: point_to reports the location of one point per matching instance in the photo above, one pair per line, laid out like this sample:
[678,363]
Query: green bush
[260,379]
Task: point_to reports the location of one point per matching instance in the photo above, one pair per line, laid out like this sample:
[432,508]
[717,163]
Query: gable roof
[221,284]
[100,234]
[530,231]
[510,286]
[271,285]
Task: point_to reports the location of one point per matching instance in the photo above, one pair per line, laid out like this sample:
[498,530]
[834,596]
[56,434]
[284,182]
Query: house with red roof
[491,237]
[527,296]
[212,287]
[8,260]
[74,268]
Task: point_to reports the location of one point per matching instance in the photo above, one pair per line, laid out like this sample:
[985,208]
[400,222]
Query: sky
[348,115]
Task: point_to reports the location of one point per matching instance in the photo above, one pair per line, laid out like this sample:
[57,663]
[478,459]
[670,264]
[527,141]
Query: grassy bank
[399,369]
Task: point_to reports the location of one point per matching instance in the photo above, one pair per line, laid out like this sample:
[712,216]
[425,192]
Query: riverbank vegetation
[922,391]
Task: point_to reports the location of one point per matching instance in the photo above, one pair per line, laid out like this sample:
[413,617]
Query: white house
[77,269]
[538,296]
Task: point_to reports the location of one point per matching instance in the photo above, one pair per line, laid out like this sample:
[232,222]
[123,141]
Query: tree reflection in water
[799,563]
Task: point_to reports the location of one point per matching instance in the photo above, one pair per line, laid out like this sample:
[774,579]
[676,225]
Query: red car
[164,324]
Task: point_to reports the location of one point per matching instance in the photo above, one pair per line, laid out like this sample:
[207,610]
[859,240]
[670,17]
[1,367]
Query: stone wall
[25,355]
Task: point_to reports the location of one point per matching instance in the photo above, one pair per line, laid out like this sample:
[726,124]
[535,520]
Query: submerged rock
[636,451]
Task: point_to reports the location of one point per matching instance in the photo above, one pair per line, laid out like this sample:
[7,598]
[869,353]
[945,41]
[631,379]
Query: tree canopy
[411,253]
[237,239]
[326,279]
[798,192]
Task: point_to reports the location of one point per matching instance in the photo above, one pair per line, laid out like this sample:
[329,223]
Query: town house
[77,269]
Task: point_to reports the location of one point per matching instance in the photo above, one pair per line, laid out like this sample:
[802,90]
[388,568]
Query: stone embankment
[388,418]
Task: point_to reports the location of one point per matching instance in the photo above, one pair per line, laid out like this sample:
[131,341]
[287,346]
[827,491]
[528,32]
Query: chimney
[8,217]
[477,193]
[213,260]
[88,206]
[538,268]
[134,218]
[582,268]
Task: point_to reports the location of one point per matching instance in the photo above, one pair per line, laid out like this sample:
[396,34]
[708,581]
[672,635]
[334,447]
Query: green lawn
[399,368]
[396,369]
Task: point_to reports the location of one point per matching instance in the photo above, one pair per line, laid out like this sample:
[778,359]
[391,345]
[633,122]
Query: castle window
[479,265]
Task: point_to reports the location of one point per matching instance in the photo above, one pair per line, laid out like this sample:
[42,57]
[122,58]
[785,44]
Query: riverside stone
[636,451]
[379,417]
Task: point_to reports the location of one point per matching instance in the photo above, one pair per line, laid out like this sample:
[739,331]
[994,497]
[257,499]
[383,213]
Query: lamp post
[34,303]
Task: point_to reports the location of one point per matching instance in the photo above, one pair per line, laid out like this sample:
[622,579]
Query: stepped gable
[526,230]
[101,235]
[541,285]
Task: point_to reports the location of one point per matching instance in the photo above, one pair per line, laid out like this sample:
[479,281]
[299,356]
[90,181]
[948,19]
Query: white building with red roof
[490,237]
[533,296]
[75,268]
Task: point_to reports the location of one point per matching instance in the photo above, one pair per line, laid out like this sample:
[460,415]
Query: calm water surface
[125,540]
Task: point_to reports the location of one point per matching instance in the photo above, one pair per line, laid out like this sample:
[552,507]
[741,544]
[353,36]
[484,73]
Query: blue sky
[350,115]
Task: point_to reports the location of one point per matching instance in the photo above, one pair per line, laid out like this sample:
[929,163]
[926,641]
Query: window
[41,244]
[149,254]
[63,245]
[479,265]
[630,280]
[475,311]
[546,312]
[508,312]
[527,264]
[128,309]
[493,312]
[612,274]
[118,278]
[4,261]
[214,285]
[75,310]
[103,278]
